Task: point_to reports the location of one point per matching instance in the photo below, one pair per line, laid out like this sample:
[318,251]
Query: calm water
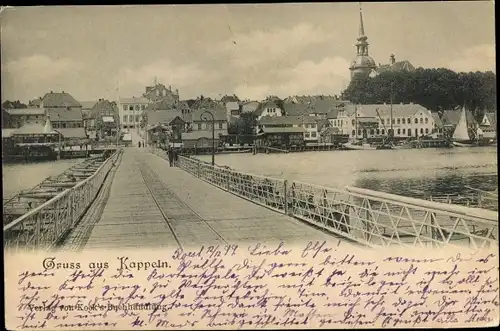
[415,173]
[17,177]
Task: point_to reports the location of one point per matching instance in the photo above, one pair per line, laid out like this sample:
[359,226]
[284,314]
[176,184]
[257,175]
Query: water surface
[415,172]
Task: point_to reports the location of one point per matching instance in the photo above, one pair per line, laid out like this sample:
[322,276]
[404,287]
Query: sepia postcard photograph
[250,166]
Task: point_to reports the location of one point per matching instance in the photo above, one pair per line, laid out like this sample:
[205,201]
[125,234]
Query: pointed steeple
[361,32]
[48,126]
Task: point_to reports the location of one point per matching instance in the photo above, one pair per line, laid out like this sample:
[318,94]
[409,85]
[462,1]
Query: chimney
[392,59]
[62,91]
[51,92]
[170,88]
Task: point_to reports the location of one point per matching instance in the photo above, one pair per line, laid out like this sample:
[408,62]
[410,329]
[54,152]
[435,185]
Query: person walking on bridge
[170,154]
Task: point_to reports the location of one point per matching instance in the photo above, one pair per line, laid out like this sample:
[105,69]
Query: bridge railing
[367,217]
[42,227]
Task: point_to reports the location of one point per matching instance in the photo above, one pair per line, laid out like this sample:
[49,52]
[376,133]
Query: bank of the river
[415,172]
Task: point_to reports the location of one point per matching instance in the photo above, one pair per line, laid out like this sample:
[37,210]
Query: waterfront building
[130,111]
[374,120]
[165,120]
[197,123]
[20,116]
[281,131]
[307,124]
[69,122]
[88,120]
[233,107]
[489,125]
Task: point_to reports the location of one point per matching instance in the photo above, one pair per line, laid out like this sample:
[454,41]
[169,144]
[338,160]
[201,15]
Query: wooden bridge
[153,205]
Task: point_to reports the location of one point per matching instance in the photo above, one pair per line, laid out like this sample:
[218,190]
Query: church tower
[363,65]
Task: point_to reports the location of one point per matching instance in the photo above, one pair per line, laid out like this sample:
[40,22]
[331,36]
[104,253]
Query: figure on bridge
[170,153]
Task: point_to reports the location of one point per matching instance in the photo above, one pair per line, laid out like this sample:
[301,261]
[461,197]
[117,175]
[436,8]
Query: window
[383,131]
[409,121]
[409,132]
[63,125]
[359,132]
[137,107]
[353,122]
[382,120]
[199,126]
[137,118]
[393,121]
[353,133]
[399,131]
[340,122]
[143,107]
[131,107]
[125,107]
[131,118]
[416,132]
[313,134]
[403,120]
[157,93]
[372,131]
[416,120]
[421,120]
[426,120]
[313,126]
[378,131]
[426,130]
[308,135]
[399,120]
[220,125]
[404,131]
[421,131]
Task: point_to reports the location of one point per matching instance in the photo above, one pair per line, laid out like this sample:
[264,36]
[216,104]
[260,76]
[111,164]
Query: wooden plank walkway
[152,205]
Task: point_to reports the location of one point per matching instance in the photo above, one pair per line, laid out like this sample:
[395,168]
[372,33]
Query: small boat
[461,137]
[359,146]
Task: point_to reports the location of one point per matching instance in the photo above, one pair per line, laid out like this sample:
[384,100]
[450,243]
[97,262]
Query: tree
[435,89]
[13,104]
[243,125]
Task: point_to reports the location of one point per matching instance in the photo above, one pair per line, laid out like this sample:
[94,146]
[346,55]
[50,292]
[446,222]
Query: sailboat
[461,137]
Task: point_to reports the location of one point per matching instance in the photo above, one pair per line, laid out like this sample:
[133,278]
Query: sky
[252,51]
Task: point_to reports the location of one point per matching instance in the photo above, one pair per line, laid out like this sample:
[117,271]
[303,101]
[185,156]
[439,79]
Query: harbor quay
[134,199]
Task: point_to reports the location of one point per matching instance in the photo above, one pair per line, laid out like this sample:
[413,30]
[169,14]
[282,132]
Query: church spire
[361,33]
[362,44]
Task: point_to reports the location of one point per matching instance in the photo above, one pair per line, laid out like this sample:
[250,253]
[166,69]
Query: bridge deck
[152,205]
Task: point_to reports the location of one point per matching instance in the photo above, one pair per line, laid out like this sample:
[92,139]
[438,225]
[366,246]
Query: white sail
[461,132]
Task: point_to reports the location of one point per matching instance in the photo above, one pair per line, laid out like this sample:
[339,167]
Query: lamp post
[59,131]
[213,132]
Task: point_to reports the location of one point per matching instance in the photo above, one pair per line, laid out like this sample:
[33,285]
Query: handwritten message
[257,286]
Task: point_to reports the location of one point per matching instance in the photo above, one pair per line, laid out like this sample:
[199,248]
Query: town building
[489,125]
[169,123]
[364,65]
[249,106]
[130,111]
[103,119]
[374,120]
[61,100]
[68,122]
[233,107]
[199,133]
[307,124]
[20,116]
[268,108]
[159,92]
